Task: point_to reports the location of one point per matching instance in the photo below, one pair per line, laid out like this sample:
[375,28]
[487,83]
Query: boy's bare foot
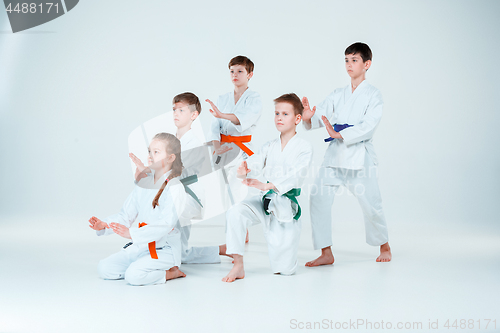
[385,253]
[222,251]
[247,239]
[174,273]
[237,272]
[326,258]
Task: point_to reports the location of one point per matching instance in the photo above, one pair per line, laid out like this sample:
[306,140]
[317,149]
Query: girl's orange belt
[238,140]
[151,246]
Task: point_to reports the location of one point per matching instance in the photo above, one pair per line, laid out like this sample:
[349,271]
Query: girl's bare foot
[174,273]
[385,253]
[326,258]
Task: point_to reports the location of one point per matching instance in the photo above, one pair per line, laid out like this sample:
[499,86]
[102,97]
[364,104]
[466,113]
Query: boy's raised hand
[243,170]
[214,110]
[120,229]
[97,224]
[307,114]
[330,130]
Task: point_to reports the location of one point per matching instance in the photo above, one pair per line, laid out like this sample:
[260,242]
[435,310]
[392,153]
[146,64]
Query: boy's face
[355,66]
[183,116]
[285,118]
[157,154]
[239,75]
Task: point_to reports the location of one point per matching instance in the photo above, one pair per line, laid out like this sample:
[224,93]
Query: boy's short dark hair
[188,98]
[292,99]
[243,61]
[360,48]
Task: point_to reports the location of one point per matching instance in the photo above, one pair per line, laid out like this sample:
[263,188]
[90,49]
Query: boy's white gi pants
[363,185]
[282,238]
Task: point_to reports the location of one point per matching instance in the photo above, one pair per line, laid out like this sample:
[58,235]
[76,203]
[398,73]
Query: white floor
[48,283]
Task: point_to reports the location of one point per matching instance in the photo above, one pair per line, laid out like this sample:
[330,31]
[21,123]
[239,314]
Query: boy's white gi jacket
[362,109]
[248,110]
[285,169]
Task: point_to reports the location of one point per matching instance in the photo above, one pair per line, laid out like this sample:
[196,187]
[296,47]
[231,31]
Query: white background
[74,88]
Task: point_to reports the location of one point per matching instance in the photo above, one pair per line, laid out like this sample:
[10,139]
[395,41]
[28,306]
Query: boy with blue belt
[350,158]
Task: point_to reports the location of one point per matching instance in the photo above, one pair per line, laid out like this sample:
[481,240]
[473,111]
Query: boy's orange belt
[152,245]
[238,140]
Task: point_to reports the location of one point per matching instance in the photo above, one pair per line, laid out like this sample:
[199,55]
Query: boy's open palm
[223,149]
[214,110]
[243,169]
[307,114]
[329,128]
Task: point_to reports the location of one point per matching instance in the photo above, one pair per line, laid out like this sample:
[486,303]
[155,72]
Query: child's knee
[233,215]
[235,210]
[106,272]
[134,277]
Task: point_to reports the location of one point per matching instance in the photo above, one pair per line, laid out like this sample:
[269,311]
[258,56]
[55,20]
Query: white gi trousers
[282,238]
[363,184]
[136,266]
[198,254]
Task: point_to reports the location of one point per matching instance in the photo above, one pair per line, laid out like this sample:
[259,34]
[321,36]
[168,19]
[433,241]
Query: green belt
[292,195]
[188,181]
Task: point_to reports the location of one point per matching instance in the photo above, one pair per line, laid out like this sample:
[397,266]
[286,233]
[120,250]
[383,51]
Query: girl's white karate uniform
[192,160]
[351,162]
[285,170]
[248,110]
[134,263]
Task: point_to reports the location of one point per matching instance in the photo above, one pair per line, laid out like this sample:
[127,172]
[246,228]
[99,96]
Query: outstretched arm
[217,114]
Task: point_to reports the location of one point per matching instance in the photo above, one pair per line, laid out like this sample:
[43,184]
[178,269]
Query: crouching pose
[284,163]
[148,217]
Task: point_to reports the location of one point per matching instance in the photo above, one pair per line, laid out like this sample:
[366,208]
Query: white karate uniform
[285,170]
[134,263]
[350,161]
[248,110]
[192,160]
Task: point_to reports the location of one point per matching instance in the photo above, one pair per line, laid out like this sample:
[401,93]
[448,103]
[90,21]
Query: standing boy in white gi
[284,163]
[350,158]
[235,116]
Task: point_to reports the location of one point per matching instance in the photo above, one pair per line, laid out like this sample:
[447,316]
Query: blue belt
[338,128]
